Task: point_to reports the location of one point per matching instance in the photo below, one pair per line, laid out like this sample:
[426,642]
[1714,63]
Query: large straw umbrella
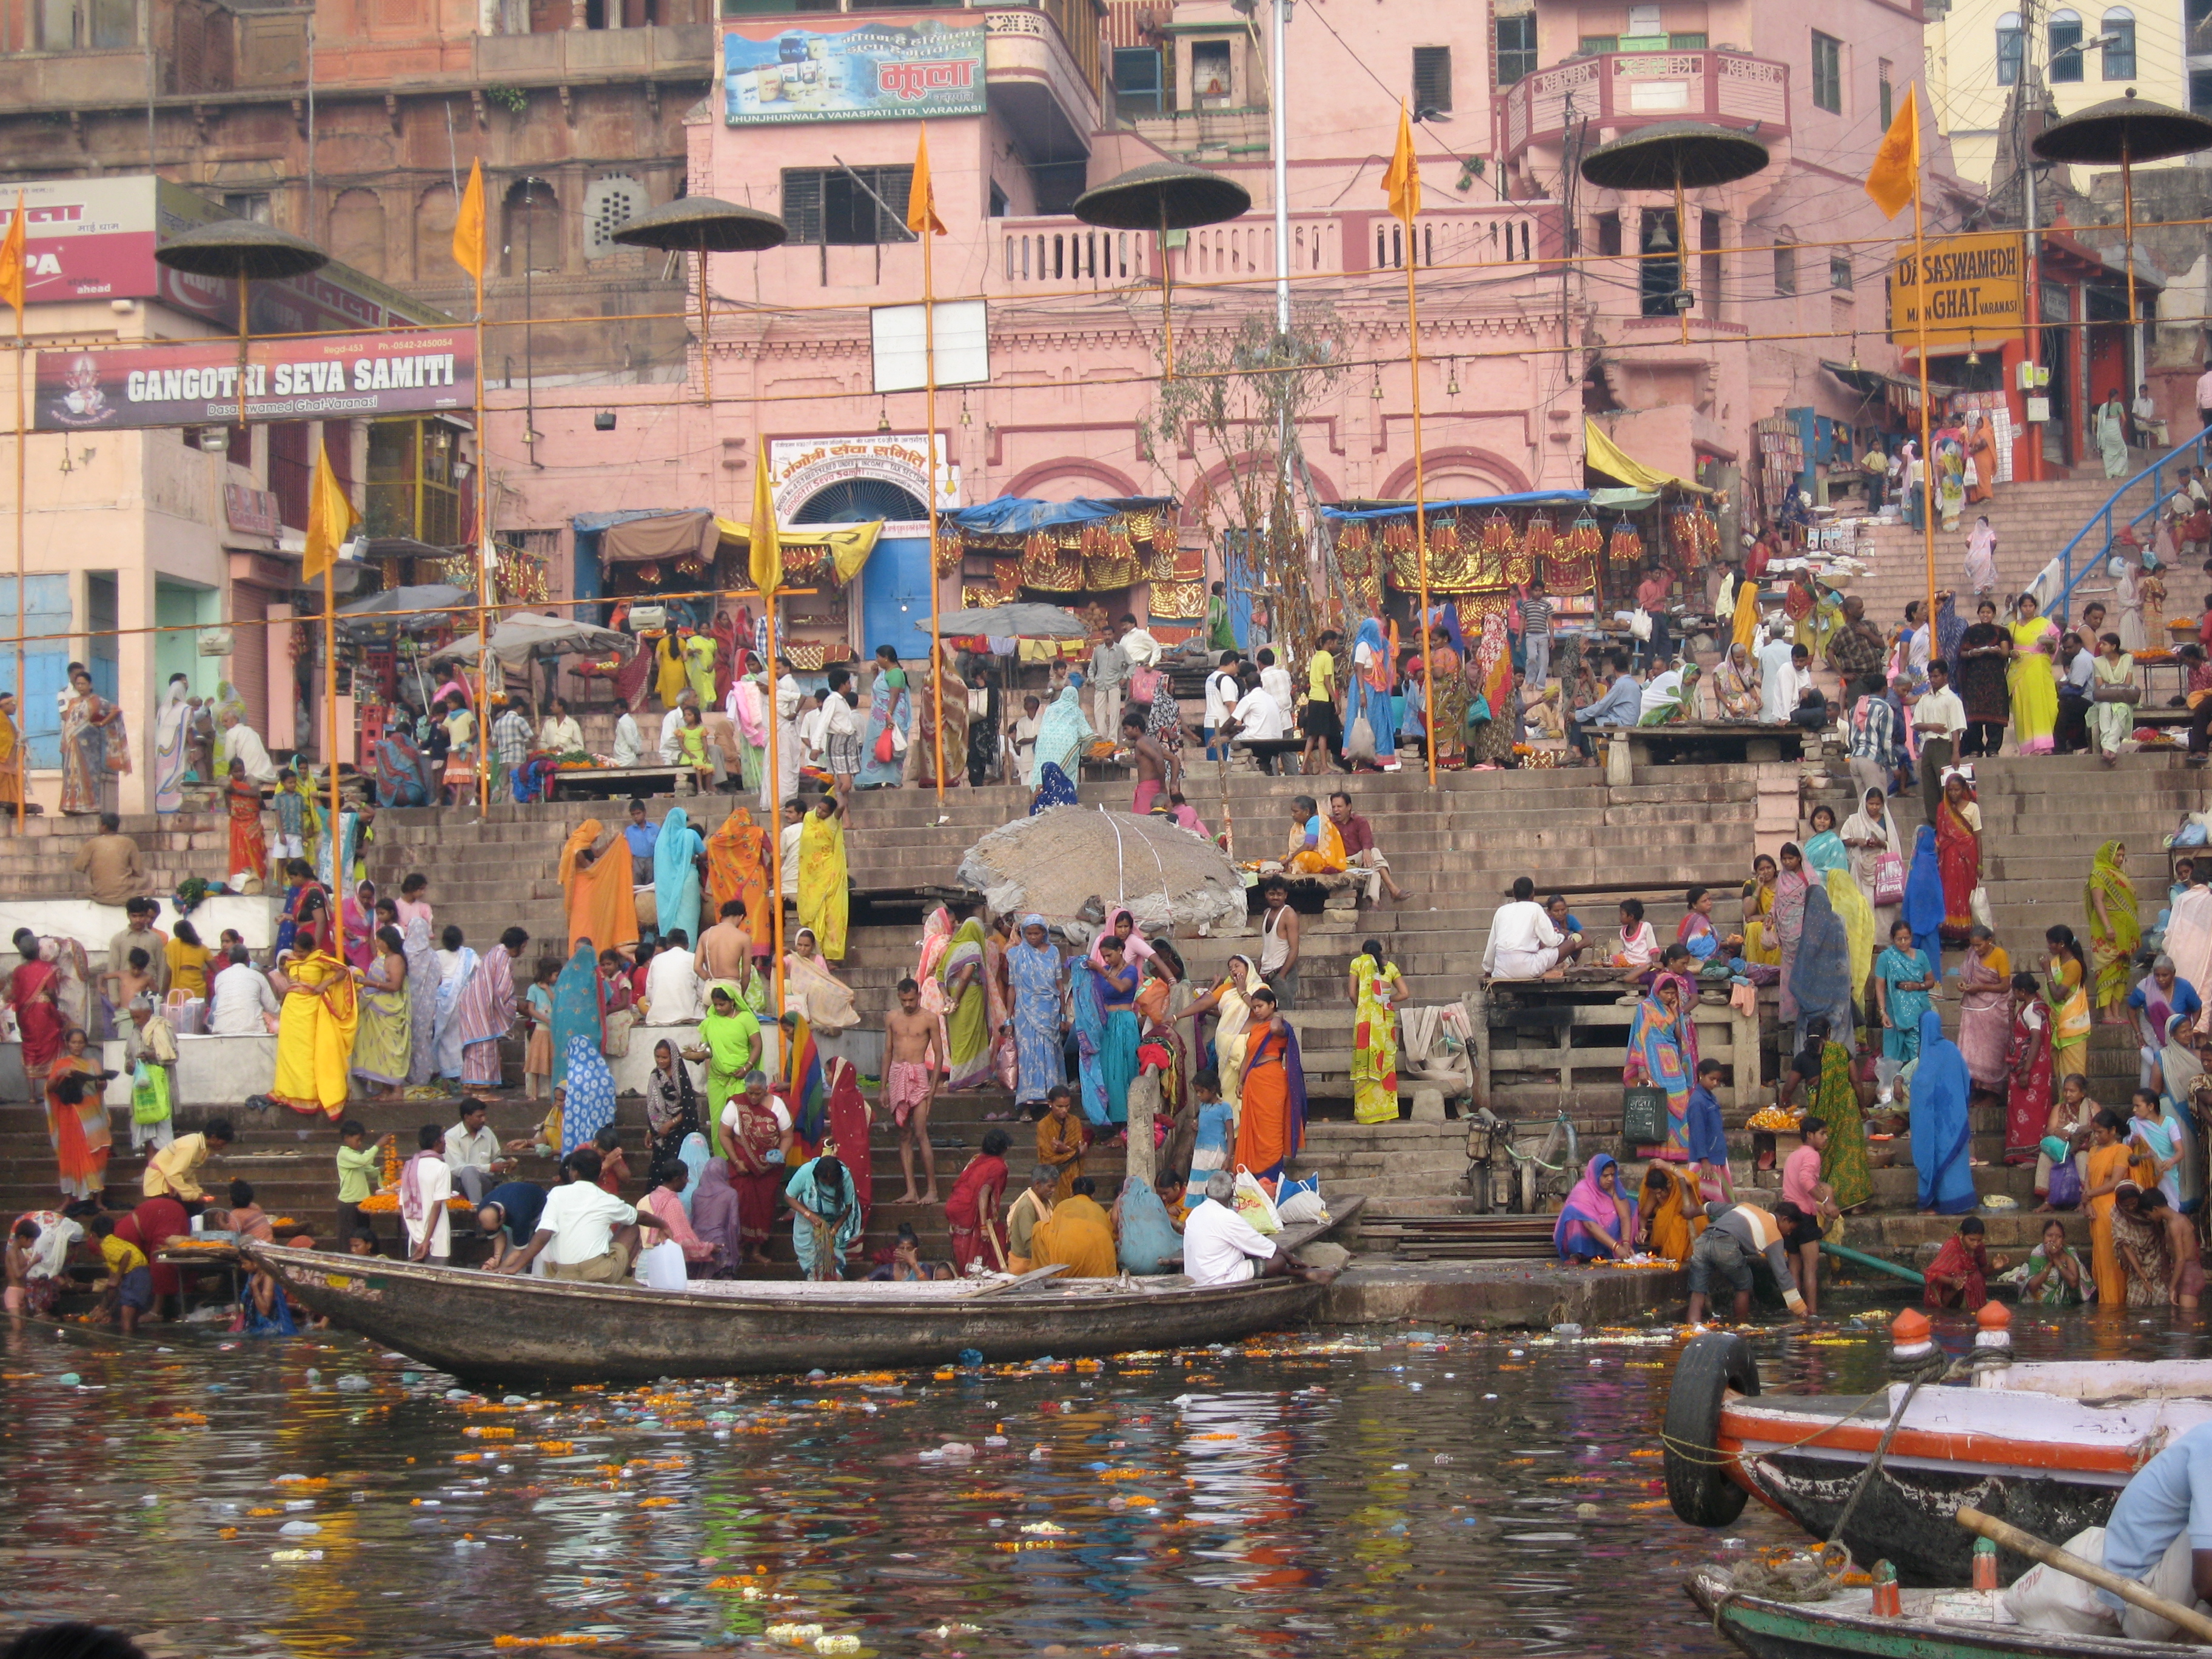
[703,225]
[1161,197]
[1678,155]
[2124,130]
[244,252]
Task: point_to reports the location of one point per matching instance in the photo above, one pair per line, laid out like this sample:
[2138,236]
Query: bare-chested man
[912,1061]
[726,950]
[1149,760]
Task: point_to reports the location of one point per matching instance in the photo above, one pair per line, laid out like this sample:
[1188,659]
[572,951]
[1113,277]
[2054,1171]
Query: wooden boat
[1935,1625]
[488,1328]
[2045,1446]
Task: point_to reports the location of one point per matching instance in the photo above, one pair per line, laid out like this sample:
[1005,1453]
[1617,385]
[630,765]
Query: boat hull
[495,1329]
[1819,1630]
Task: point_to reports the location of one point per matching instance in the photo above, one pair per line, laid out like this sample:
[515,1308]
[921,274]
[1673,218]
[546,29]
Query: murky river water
[1360,1491]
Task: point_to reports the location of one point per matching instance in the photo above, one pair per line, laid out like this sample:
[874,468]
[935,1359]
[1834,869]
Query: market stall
[1089,555]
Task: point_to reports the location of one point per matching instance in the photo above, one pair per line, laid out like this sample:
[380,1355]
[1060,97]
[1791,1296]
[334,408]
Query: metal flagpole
[1420,507]
[1926,458]
[22,702]
[929,447]
[484,574]
[776,786]
[338,873]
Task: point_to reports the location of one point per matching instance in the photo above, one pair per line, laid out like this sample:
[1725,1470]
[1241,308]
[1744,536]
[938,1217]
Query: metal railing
[2099,531]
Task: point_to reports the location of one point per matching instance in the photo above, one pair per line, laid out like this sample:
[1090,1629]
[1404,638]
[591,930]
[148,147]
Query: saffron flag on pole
[329,518]
[767,539]
[469,227]
[1401,183]
[1895,176]
[11,260]
[921,196]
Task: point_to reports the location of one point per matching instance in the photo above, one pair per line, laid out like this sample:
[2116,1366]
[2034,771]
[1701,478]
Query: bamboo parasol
[1676,156]
[703,225]
[1161,197]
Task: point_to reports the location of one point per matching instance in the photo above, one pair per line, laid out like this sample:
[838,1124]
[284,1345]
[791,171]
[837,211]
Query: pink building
[1028,107]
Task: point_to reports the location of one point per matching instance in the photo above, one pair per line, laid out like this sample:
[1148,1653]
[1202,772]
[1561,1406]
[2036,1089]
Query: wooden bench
[1697,743]
[607,782]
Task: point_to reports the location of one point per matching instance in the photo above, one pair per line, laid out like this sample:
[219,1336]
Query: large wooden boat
[1935,1625]
[2045,1446]
[490,1328]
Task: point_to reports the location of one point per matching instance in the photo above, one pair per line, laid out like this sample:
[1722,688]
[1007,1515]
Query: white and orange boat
[2047,1446]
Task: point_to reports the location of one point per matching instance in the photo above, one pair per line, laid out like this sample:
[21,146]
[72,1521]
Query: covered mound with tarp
[1055,863]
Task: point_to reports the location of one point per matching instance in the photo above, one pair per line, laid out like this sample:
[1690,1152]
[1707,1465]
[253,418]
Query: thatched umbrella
[1677,156]
[244,252]
[1060,860]
[2124,130]
[1161,197]
[703,225]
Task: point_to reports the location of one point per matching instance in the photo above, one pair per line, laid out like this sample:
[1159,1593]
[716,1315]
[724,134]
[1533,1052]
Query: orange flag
[1402,182]
[469,227]
[330,518]
[921,196]
[1895,177]
[11,260]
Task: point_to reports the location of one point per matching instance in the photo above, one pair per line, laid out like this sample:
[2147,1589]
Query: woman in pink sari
[666,1200]
[30,992]
[360,927]
[1985,1011]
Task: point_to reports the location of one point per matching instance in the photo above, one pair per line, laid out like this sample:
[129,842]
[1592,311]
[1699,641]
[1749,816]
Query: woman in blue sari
[1054,788]
[1940,1087]
[588,1098]
[825,1217]
[1087,1012]
[402,779]
[1662,1052]
[1824,849]
[1033,970]
[676,875]
[1820,975]
[890,708]
[1923,894]
[1367,692]
[577,1010]
[1904,979]
[1117,1002]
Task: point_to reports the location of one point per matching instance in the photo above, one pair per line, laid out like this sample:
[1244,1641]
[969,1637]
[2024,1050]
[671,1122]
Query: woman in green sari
[2115,931]
[729,1047]
[967,1016]
[1835,1101]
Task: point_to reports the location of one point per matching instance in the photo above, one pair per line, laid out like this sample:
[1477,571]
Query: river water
[1383,1491]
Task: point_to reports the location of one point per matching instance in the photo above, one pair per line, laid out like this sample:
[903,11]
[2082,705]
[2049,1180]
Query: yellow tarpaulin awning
[1601,454]
[850,544]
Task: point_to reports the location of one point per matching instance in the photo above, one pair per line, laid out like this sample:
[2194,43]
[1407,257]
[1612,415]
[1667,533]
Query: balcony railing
[1627,89]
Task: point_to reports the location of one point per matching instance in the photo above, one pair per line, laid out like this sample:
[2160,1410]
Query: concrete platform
[1499,1295]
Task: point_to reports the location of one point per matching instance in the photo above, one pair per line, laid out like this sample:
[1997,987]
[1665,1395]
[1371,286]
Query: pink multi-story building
[1536,308]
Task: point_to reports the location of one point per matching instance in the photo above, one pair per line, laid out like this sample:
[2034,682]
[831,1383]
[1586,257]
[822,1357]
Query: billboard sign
[195,382]
[800,468]
[872,69]
[1972,289]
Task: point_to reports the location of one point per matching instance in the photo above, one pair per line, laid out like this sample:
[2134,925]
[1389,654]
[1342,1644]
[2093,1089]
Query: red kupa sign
[195,383]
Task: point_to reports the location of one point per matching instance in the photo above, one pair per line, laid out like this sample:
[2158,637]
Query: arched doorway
[895,583]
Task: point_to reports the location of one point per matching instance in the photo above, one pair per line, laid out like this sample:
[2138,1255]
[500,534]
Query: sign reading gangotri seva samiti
[195,382]
[891,67]
[1971,286]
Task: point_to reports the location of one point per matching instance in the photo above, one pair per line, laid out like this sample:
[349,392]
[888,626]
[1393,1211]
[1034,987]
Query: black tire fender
[1698,1485]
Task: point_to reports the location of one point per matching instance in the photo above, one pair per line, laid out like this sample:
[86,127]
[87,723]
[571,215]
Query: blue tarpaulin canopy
[1365,510]
[1017,515]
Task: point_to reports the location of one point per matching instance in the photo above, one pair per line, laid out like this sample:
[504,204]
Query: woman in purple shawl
[1598,1219]
[1790,890]
[714,1210]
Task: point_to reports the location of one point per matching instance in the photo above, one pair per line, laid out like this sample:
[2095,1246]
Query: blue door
[895,597]
[1241,582]
[38,711]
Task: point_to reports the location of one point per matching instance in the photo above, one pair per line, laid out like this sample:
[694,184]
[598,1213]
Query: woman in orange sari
[1492,740]
[1450,670]
[948,708]
[1958,853]
[1272,1126]
[76,1118]
[736,868]
[2103,1170]
[249,849]
[600,906]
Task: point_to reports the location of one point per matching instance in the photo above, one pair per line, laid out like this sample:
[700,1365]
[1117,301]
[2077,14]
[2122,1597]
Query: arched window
[2065,46]
[434,235]
[857,501]
[2118,24]
[532,240]
[2009,42]
[357,230]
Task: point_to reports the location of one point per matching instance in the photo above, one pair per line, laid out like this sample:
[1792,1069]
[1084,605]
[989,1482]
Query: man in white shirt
[585,1234]
[241,742]
[1275,680]
[1939,720]
[1784,670]
[629,742]
[1662,688]
[671,724]
[424,1187]
[1258,718]
[241,1004]
[1223,694]
[473,1152]
[1523,943]
[1219,1247]
[672,982]
[840,738]
[1021,734]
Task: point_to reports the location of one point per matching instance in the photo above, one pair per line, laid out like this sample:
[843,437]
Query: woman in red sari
[30,992]
[1959,853]
[249,848]
[2028,1064]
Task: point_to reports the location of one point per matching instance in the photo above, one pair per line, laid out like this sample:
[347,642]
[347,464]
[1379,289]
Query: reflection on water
[1396,1491]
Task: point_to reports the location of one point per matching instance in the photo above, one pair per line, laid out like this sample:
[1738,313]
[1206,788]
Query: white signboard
[963,345]
[800,468]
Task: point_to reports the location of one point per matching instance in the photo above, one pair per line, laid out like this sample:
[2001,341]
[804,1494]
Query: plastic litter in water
[300,1528]
[295,1555]
[353,1383]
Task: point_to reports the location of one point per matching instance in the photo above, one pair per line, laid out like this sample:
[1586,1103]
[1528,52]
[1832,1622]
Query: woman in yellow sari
[1079,1234]
[669,681]
[1317,845]
[600,906]
[1762,944]
[1230,1003]
[2031,676]
[1376,990]
[2115,929]
[2068,997]
[823,899]
[1674,1211]
[1851,907]
[11,782]
[2103,1168]
[315,1033]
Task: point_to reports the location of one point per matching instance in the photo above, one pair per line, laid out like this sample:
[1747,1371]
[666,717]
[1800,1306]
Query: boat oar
[2027,1544]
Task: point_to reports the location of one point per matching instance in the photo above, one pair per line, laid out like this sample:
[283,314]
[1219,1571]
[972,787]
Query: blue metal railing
[2098,532]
